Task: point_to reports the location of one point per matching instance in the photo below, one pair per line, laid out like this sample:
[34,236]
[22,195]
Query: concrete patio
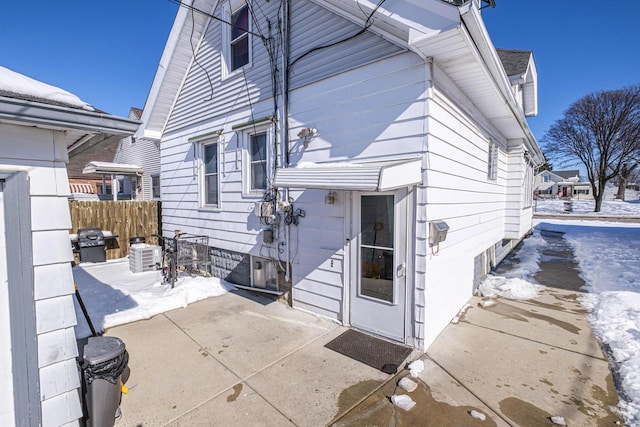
[242,360]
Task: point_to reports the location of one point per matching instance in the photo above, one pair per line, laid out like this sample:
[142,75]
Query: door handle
[402,269]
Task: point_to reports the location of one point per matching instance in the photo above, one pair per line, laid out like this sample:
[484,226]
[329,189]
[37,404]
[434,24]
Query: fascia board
[401,22]
[491,62]
[161,71]
[56,117]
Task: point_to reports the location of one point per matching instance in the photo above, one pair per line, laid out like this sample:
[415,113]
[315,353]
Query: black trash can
[104,361]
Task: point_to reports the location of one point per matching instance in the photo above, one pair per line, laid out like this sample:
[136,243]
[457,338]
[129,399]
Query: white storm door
[377,288]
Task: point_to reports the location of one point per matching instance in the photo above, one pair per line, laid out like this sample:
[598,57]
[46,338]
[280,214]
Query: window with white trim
[236,36]
[209,178]
[155,186]
[546,178]
[257,160]
[492,161]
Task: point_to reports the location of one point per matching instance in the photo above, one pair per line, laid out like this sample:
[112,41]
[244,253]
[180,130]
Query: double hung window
[239,40]
[257,161]
[209,178]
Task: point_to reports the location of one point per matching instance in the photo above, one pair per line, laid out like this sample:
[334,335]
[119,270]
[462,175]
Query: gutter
[56,117]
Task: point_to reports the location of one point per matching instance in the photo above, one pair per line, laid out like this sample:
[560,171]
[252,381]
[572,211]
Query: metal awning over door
[375,176]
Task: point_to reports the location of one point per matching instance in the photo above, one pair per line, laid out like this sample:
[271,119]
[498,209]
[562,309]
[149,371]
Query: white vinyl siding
[460,194]
[311,25]
[144,153]
[42,154]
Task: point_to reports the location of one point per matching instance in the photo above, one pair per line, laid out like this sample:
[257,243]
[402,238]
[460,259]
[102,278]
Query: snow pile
[512,288]
[17,83]
[585,207]
[113,295]
[608,256]
[616,318]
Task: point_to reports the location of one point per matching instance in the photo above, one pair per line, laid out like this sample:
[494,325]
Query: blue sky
[107,52]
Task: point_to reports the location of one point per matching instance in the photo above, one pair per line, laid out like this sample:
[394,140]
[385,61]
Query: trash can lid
[101,349]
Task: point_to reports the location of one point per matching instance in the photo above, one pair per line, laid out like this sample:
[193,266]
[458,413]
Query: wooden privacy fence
[124,219]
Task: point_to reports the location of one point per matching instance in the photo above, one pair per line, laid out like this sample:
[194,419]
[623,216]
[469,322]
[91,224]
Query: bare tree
[626,172]
[602,131]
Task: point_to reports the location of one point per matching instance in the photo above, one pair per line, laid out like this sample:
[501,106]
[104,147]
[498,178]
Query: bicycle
[169,265]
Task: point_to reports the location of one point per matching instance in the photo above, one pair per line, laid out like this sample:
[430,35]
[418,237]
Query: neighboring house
[144,153]
[95,167]
[559,184]
[371,162]
[569,185]
[39,382]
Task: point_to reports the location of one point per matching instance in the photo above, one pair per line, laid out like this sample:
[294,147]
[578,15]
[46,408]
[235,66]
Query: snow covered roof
[28,102]
[16,85]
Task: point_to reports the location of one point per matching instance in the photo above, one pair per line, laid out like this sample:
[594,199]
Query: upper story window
[239,40]
[258,161]
[545,178]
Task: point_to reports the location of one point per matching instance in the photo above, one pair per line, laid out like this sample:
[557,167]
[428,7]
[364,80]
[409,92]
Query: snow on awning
[81,188]
[377,176]
[112,168]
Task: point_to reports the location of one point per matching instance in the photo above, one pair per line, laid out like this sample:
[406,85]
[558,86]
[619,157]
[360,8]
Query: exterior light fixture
[330,198]
[306,134]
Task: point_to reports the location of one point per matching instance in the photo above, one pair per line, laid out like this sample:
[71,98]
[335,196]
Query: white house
[39,383]
[370,161]
[145,154]
[560,184]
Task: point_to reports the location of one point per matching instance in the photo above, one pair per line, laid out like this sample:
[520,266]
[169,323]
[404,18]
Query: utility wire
[179,3]
[195,57]
[367,24]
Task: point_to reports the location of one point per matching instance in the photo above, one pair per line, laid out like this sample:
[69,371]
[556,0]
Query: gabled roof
[453,37]
[515,62]
[568,174]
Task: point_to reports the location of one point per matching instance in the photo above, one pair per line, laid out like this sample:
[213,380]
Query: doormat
[372,351]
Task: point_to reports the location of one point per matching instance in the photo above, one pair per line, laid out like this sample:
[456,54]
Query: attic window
[239,38]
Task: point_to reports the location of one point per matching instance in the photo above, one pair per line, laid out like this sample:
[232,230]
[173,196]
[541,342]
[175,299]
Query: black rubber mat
[372,351]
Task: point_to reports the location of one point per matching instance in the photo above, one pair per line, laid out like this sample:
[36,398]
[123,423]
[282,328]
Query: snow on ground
[609,262]
[113,295]
[585,207]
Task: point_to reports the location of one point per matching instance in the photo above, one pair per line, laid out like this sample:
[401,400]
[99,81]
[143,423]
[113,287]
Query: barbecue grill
[91,245]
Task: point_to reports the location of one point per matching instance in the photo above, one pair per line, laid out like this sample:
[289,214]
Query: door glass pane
[376,280]
[376,247]
[377,221]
